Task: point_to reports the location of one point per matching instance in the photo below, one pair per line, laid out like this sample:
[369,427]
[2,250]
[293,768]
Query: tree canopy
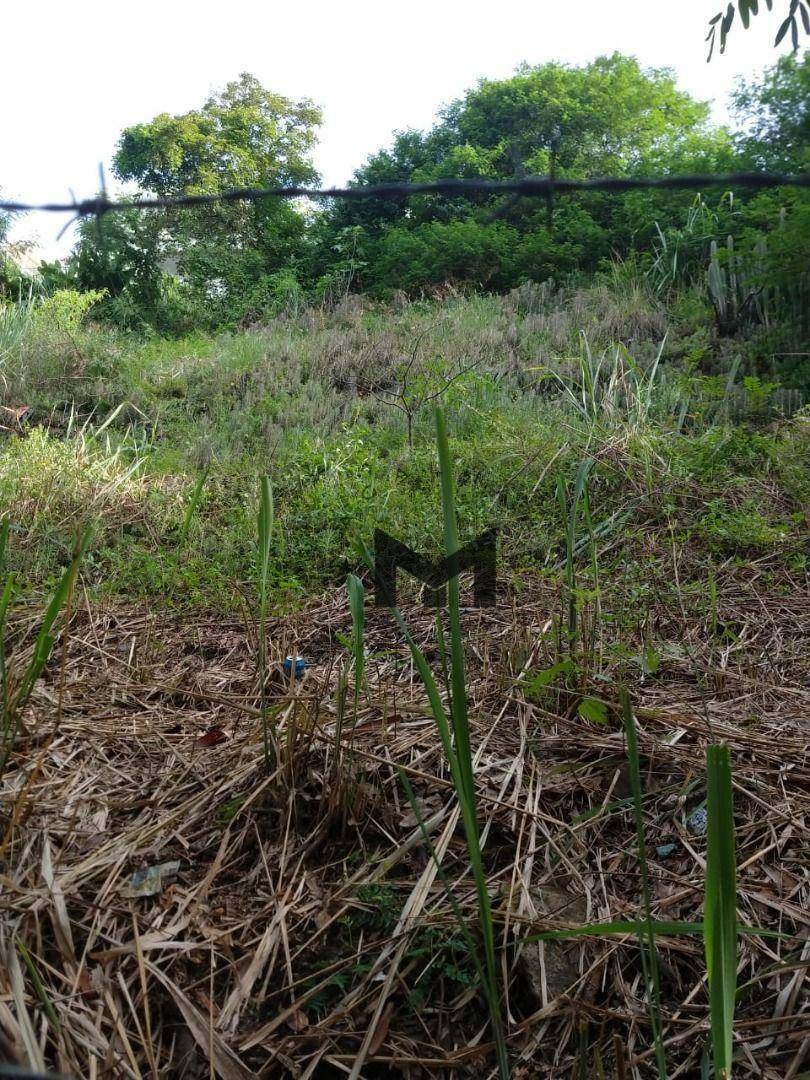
[608,117]
[225,263]
[774,115]
[244,136]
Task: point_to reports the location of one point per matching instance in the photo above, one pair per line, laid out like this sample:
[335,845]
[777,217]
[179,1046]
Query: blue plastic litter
[698,821]
[665,850]
[300,665]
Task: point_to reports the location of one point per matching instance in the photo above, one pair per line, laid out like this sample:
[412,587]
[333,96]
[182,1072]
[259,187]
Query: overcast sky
[73,75]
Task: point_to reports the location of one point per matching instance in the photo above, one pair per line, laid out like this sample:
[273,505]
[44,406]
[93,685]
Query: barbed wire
[530,186]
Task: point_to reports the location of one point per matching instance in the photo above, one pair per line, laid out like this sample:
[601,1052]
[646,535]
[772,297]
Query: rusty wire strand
[531,186]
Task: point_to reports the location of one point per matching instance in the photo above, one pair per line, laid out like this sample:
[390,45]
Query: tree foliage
[244,136]
[774,115]
[608,117]
[796,12]
[235,262]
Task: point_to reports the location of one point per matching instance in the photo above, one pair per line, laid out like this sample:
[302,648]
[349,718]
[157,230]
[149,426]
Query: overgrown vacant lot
[651,501]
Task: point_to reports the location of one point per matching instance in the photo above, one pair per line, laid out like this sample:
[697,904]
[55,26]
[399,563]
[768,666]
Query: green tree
[244,136]
[609,116]
[774,116]
[121,255]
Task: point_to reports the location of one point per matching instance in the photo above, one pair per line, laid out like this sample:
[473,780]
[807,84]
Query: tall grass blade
[5,600]
[562,501]
[649,955]
[193,503]
[357,607]
[455,738]
[45,639]
[265,534]
[356,591]
[720,907]
[458,685]
[16,698]
[42,993]
[461,732]
[570,514]
[618,926]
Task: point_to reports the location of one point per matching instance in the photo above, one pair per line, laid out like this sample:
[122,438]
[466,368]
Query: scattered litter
[663,851]
[698,821]
[300,666]
[213,737]
[150,881]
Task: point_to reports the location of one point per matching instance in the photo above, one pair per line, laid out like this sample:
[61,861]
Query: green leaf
[720,907]
[652,661]
[357,608]
[725,26]
[265,524]
[39,986]
[594,710]
[455,739]
[45,639]
[619,926]
[538,680]
[783,29]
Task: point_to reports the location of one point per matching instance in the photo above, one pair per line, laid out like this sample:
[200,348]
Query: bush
[38,342]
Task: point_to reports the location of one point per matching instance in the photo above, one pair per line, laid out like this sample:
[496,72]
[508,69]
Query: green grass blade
[461,732]
[39,986]
[720,907]
[649,955]
[562,501]
[5,600]
[458,685]
[45,639]
[357,607]
[193,503]
[455,738]
[5,528]
[618,926]
[265,535]
[14,702]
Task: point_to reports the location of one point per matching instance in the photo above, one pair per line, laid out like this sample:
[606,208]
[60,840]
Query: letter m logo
[478,556]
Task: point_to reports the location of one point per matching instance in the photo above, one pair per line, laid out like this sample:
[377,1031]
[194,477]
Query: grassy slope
[304,401]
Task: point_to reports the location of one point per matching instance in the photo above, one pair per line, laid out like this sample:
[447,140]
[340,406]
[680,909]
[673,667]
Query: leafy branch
[723,20]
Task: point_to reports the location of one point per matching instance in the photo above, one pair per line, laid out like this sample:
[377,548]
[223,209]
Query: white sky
[73,75]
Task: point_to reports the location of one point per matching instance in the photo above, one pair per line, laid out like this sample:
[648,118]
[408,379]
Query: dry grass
[307,921]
